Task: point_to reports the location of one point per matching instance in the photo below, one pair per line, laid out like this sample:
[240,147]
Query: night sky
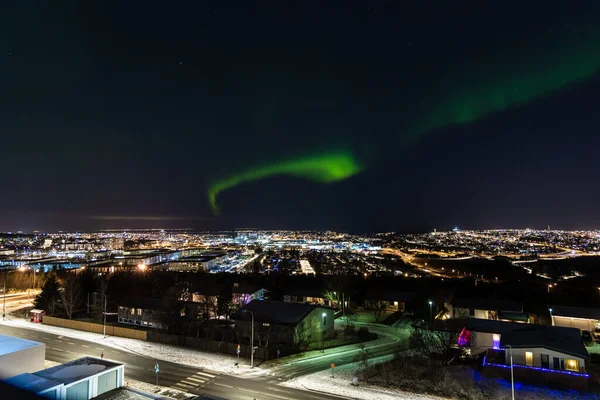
[355,116]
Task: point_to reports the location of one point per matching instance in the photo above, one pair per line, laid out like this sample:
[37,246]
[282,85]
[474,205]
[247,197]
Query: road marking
[54,348]
[98,348]
[268,394]
[205,374]
[71,343]
[184,386]
[83,345]
[220,384]
[196,380]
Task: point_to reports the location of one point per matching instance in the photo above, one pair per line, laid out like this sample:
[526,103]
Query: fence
[216,346]
[96,328]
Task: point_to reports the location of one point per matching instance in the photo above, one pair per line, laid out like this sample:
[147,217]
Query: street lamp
[512,377]
[549,287]
[251,340]
[431,310]
[551,319]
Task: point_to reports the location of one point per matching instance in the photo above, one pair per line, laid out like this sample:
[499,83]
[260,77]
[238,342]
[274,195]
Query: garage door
[78,392]
[107,382]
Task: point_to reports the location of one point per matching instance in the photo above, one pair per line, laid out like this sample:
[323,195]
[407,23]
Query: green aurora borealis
[324,168]
[511,73]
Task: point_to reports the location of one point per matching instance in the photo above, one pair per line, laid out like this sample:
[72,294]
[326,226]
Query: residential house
[243,293]
[306,295]
[542,354]
[585,319]
[142,311]
[487,309]
[391,300]
[285,323]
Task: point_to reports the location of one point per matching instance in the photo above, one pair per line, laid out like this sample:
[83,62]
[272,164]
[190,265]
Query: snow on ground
[341,384]
[159,391]
[212,361]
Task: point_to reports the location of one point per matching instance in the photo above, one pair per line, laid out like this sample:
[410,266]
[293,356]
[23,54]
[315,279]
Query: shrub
[363,333]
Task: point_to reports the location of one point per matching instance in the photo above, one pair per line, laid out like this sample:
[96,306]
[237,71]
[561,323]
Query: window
[266,324]
[529,358]
[132,311]
[496,341]
[572,365]
[545,360]
[139,311]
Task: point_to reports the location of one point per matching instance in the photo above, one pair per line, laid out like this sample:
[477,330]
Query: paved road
[189,379]
[390,340]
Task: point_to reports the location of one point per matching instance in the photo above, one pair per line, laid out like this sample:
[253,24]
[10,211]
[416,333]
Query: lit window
[266,324]
[133,311]
[139,311]
[496,341]
[572,365]
[529,358]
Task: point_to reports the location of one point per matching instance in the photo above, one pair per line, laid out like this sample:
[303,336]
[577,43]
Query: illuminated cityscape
[247,200]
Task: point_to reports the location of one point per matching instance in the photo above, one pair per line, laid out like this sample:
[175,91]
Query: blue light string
[535,368]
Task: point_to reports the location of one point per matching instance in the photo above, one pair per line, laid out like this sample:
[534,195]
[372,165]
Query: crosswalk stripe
[194,379]
[205,374]
[184,386]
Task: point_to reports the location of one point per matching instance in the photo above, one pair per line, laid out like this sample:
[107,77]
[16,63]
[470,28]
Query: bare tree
[70,295]
[438,346]
[378,310]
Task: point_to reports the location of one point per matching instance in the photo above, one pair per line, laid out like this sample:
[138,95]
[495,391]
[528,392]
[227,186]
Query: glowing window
[496,341]
[528,358]
[572,365]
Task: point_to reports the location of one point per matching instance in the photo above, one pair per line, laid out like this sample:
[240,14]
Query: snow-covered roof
[9,344]
[77,370]
[32,383]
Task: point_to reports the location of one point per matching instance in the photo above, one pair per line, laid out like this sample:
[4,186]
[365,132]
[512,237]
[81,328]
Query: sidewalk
[216,362]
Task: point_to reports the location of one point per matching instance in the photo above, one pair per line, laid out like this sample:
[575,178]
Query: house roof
[487,304]
[558,338]
[32,383]
[403,297]
[492,326]
[275,312]
[76,370]
[576,312]
[146,303]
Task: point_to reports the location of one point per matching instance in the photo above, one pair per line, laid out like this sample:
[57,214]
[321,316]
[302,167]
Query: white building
[19,355]
[81,379]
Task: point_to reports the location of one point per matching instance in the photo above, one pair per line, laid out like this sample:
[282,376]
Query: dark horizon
[349,116]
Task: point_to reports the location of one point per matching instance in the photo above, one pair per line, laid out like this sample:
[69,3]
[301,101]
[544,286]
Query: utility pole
[251,340]
[104,329]
[4,305]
